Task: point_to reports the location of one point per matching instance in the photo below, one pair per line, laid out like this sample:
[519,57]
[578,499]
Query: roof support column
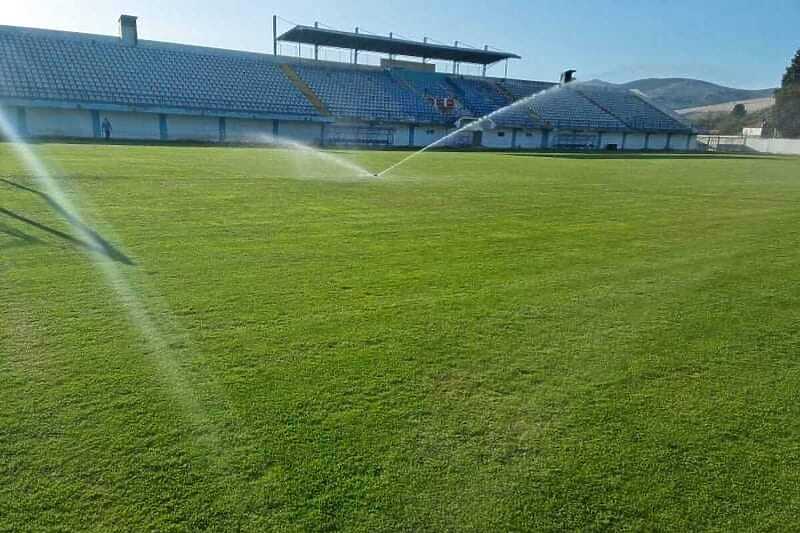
[455,63]
[316,46]
[22,122]
[163,128]
[355,52]
[275,35]
[486,47]
[96,131]
[425,59]
[223,129]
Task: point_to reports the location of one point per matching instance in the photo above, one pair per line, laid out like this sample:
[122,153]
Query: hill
[752,106]
[682,93]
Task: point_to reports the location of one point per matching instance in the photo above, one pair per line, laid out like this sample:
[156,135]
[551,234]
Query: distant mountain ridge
[682,93]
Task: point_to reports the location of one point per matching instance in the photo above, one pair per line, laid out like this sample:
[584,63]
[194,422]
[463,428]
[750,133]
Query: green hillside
[682,93]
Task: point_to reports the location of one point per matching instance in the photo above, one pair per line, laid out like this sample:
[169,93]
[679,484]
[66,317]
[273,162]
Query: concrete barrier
[773,146]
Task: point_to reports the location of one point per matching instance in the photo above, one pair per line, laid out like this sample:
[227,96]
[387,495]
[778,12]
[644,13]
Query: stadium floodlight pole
[355,51]
[274,34]
[316,46]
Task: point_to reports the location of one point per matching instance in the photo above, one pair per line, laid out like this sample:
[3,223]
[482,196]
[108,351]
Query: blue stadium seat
[479,95]
[564,107]
[631,108]
[366,94]
[94,71]
[520,89]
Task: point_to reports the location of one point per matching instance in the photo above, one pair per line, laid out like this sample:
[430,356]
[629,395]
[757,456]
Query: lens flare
[321,156]
[139,318]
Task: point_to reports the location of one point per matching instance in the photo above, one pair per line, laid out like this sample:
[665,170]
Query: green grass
[480,342]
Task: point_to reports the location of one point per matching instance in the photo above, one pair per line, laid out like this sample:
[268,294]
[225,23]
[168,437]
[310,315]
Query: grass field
[478,342]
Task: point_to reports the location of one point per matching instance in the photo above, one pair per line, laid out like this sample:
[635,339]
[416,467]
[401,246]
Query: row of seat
[366,94]
[565,107]
[630,107]
[100,72]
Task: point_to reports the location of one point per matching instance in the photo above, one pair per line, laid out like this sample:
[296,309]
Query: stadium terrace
[68,85]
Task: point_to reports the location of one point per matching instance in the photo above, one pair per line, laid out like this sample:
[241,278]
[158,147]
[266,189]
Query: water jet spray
[485,122]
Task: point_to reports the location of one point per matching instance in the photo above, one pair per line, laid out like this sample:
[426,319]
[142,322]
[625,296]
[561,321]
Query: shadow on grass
[647,156]
[96,242]
[21,238]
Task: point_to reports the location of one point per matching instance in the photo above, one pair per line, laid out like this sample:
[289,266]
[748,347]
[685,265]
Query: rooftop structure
[388,45]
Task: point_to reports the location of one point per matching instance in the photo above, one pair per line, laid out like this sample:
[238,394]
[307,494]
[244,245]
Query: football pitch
[256,339]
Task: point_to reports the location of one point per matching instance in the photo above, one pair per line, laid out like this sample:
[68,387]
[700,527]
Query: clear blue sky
[741,43]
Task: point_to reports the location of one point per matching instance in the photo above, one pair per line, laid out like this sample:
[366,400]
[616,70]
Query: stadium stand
[519,89]
[366,94]
[432,88]
[630,108]
[568,108]
[480,96]
[55,66]
[63,84]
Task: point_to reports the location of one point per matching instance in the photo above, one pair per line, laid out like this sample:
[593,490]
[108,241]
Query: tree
[787,101]
[739,111]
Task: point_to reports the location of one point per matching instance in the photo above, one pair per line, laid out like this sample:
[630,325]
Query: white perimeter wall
[248,131]
[187,128]
[10,115]
[304,132]
[529,140]
[139,126]
[59,122]
[402,135]
[774,146]
[52,122]
[611,138]
[422,137]
[678,141]
[658,141]
[499,138]
[634,141]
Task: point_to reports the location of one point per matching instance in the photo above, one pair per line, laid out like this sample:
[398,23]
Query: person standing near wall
[107,128]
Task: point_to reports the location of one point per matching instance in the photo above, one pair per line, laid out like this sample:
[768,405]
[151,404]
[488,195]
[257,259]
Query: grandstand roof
[387,45]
